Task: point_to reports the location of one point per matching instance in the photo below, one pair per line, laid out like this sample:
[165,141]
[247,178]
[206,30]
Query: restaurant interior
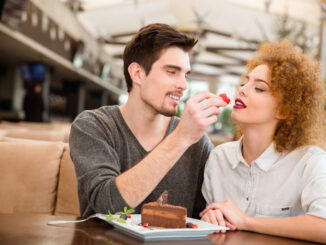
[61,57]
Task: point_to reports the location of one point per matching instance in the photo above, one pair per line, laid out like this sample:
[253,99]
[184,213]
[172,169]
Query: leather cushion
[67,199]
[29,176]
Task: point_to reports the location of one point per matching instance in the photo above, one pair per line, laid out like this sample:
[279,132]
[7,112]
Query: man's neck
[148,126]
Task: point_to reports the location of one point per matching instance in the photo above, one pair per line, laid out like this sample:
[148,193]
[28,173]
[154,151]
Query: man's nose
[182,83]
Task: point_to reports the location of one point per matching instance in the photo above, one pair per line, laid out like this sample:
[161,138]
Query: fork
[56,222]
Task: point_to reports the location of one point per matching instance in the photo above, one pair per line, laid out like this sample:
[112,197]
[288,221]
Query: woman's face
[255,104]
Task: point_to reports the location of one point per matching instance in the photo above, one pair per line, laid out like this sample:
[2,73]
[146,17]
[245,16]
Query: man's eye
[171,72]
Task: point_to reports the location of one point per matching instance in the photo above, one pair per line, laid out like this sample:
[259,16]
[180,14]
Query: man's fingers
[211,102]
[204,95]
[212,111]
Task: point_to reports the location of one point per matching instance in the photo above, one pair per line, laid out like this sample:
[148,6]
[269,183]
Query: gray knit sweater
[102,146]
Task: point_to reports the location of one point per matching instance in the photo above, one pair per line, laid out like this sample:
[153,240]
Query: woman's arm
[305,227]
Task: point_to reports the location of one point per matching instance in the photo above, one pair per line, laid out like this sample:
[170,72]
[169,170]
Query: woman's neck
[255,142]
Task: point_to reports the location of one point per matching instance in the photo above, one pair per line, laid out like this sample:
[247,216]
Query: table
[33,229]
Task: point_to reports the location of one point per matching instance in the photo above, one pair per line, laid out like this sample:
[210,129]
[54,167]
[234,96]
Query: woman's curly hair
[296,83]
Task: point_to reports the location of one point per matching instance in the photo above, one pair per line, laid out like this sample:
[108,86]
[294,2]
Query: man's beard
[168,113]
[163,111]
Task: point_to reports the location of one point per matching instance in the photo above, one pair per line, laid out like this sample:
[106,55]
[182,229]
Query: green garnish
[126,211]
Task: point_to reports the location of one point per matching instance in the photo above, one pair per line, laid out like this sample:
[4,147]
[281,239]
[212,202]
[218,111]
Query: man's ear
[136,73]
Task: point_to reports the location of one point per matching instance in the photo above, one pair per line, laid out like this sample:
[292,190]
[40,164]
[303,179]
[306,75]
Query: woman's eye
[259,90]
[242,84]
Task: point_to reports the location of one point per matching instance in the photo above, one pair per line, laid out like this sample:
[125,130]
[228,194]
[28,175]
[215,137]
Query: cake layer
[160,221]
[166,215]
[163,213]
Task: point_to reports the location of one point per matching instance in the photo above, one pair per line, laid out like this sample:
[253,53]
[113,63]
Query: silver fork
[56,222]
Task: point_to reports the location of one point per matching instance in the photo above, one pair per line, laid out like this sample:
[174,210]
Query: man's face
[162,88]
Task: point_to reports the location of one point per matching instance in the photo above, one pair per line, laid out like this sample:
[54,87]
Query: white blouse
[276,185]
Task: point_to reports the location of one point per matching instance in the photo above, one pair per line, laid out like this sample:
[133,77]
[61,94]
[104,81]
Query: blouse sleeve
[209,178]
[313,197]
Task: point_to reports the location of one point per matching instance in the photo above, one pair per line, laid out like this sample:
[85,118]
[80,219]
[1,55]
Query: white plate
[147,234]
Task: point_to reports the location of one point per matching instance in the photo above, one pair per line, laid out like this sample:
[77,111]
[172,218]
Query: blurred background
[60,57]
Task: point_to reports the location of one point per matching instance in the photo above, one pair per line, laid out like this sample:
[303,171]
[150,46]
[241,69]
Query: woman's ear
[281,115]
[136,73]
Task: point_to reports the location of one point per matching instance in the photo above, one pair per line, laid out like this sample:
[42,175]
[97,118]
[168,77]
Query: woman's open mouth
[239,104]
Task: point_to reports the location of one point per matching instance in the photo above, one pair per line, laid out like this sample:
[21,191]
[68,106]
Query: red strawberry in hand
[225,98]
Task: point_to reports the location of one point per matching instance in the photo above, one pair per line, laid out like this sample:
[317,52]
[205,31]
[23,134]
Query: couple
[272,181]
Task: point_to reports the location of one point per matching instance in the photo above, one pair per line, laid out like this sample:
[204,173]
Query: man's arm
[138,182]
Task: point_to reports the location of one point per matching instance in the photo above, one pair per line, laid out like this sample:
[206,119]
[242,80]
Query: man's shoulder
[104,114]
[103,111]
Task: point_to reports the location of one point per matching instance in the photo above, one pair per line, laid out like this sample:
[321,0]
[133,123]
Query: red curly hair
[296,83]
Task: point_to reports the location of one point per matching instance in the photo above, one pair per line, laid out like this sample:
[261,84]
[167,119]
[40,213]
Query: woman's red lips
[239,104]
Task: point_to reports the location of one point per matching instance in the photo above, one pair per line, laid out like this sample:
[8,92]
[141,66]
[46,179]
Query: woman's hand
[227,213]
[215,216]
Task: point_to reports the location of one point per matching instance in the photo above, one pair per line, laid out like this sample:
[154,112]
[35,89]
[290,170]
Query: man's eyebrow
[175,67]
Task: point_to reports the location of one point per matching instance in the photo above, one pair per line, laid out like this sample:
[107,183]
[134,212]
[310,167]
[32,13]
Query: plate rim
[163,234]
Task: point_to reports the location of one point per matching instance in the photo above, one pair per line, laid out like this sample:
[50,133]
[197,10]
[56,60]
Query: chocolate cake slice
[158,214]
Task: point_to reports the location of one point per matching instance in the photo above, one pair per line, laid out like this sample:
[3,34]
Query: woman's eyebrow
[257,80]
[261,81]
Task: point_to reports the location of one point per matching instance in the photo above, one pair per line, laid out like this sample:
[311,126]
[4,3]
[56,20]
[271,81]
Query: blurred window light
[123,99]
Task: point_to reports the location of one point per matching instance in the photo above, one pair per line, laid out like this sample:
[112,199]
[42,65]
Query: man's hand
[200,111]
[230,214]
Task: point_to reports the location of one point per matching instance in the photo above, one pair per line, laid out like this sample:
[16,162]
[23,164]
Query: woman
[273,180]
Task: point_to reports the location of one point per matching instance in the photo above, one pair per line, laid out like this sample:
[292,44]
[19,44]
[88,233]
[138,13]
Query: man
[128,155]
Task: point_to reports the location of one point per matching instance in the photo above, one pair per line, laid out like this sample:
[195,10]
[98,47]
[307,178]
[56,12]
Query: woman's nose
[242,90]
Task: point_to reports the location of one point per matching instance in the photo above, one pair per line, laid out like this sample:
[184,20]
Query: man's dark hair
[148,43]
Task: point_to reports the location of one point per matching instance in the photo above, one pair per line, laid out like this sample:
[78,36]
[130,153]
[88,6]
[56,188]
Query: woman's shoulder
[312,159]
[228,146]
[310,151]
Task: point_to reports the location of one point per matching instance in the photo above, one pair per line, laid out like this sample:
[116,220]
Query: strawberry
[225,98]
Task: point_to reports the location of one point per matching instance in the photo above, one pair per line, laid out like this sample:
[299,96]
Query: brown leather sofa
[37,131]
[37,176]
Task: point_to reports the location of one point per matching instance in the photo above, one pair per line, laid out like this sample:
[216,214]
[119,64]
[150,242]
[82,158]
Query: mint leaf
[121,220]
[110,218]
[130,211]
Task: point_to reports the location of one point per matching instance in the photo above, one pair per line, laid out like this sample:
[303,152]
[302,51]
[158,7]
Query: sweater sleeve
[97,166]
